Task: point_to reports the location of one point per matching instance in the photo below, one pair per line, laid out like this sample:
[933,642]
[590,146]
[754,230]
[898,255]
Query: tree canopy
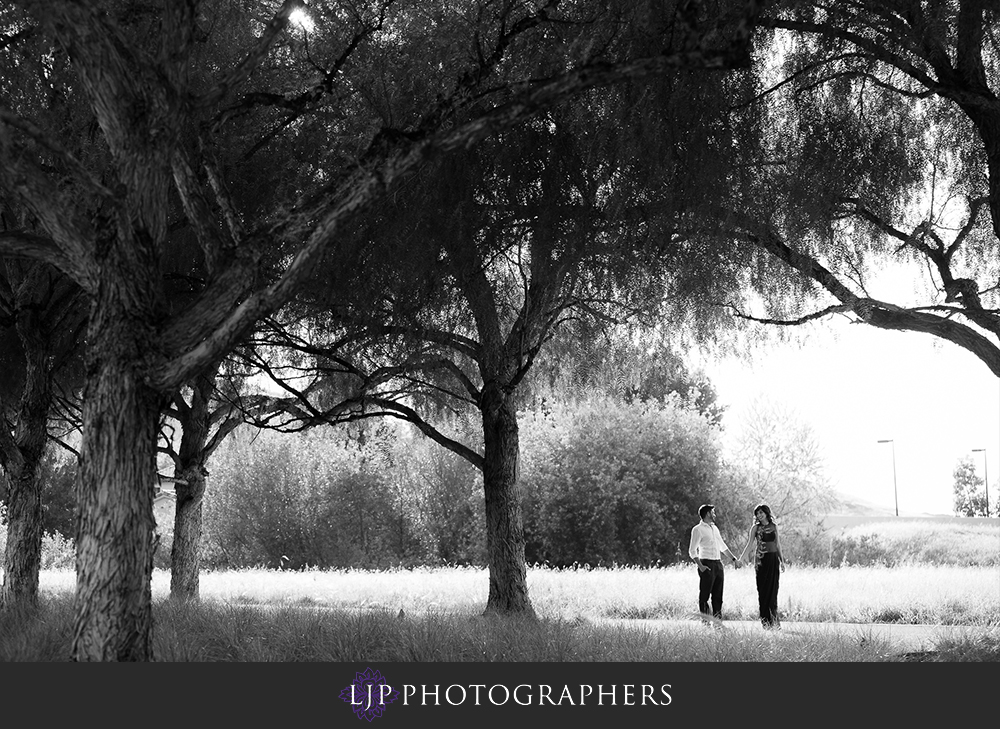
[418,196]
[140,134]
[883,155]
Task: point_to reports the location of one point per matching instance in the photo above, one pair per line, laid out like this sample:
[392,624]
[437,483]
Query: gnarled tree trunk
[23,555]
[21,459]
[504,527]
[114,562]
[192,479]
[185,556]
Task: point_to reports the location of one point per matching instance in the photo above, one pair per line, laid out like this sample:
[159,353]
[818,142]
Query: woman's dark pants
[767,589]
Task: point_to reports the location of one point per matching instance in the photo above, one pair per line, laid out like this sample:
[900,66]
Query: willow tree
[253,135]
[573,216]
[883,155]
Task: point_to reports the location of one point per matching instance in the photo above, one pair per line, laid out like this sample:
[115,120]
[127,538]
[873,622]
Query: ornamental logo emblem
[369,694]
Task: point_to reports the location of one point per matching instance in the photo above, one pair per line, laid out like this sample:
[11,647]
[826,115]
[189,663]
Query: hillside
[854,506]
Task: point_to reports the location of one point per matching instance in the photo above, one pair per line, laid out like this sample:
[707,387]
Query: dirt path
[905,639]
[912,640]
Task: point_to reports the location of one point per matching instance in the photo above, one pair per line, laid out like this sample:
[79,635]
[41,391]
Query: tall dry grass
[353,615]
[910,594]
[215,631]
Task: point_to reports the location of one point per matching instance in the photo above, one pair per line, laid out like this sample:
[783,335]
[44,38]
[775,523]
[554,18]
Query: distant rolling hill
[851,511]
[853,506]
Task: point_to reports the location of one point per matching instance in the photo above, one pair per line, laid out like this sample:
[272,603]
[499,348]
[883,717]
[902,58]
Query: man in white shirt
[706,550]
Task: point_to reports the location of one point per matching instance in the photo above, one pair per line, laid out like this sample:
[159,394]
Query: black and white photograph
[514,358]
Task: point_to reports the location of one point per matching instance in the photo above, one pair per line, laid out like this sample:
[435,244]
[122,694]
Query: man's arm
[723,549]
[693,549]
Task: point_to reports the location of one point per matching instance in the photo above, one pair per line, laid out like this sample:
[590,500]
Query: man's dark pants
[711,585]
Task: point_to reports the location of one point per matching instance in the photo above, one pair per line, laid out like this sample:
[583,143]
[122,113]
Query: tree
[498,255]
[41,325]
[205,420]
[609,482]
[884,151]
[630,362]
[970,499]
[184,104]
[777,460]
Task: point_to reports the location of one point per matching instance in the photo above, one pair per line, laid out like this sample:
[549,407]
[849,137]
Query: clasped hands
[737,562]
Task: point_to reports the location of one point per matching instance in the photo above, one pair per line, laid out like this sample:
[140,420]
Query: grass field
[911,594]
[354,615]
[351,616]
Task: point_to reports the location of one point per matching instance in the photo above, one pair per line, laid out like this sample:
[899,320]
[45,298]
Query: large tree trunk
[504,528]
[114,562]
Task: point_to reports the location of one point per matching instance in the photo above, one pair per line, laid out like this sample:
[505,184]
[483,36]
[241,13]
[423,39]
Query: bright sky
[856,385]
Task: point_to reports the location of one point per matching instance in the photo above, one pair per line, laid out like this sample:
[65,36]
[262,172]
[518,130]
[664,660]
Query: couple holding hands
[707,548]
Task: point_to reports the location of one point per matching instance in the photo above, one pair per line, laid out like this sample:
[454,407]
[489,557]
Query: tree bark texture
[23,554]
[185,555]
[114,562]
[191,481]
[508,592]
[147,101]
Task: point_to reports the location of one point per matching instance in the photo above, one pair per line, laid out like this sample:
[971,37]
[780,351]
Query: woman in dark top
[768,563]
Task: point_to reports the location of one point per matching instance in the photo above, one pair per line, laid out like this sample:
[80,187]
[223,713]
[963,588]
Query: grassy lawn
[353,615]
[912,594]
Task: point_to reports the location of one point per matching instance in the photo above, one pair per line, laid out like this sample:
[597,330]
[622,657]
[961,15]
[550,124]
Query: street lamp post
[986,478]
[895,492]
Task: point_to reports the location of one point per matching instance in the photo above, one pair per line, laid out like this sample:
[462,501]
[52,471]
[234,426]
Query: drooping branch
[367,183]
[411,416]
[956,288]
[877,313]
[797,321]
[869,45]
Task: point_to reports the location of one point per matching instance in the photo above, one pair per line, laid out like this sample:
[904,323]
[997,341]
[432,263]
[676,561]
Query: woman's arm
[777,545]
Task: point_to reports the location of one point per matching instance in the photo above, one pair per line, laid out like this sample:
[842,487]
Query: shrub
[610,483]
[445,495]
[58,552]
[319,498]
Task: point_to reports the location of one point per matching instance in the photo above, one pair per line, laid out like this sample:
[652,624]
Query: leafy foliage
[610,483]
[881,156]
[776,459]
[625,363]
[341,497]
[970,496]
[58,551]
[58,474]
[602,482]
[319,498]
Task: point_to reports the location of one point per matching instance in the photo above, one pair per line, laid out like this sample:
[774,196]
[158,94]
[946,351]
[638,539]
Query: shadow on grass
[230,632]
